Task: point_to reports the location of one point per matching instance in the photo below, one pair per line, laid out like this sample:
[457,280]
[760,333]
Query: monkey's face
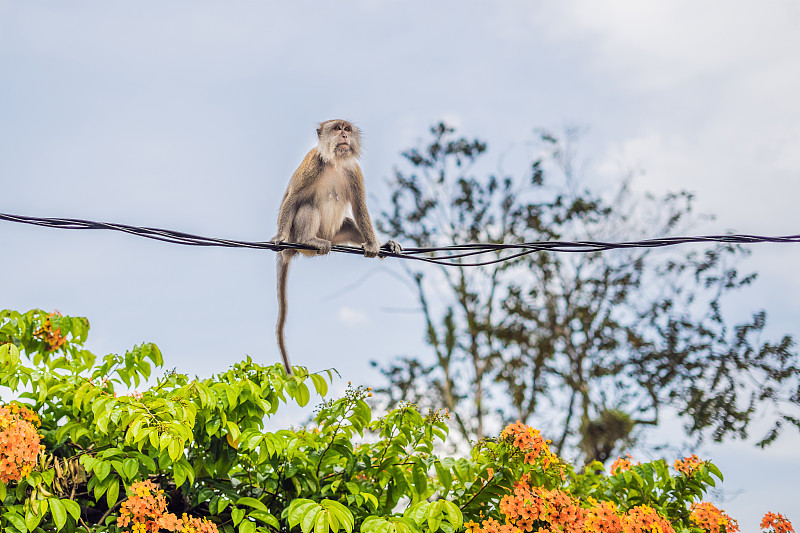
[340,138]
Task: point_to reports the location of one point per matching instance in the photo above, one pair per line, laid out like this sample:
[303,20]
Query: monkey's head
[339,140]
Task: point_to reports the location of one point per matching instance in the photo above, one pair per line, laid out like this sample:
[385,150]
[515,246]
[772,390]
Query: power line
[442,255]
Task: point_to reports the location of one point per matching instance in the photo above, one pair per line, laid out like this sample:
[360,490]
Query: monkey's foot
[392,247]
[370,249]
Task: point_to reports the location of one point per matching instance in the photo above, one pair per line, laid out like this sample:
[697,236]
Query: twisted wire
[440,255]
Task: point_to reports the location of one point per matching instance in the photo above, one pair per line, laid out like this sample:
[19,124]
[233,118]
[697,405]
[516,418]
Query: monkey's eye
[347,128]
[338,127]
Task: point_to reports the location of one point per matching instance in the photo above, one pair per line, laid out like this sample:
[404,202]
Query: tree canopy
[594,347]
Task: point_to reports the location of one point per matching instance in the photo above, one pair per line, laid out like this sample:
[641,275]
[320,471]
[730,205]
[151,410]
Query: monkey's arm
[361,214]
[298,186]
[287,210]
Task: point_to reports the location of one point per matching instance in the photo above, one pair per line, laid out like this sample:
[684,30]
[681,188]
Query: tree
[594,346]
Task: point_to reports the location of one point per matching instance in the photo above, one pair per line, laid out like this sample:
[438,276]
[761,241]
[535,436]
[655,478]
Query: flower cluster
[777,522]
[688,465]
[621,464]
[51,337]
[645,519]
[604,517]
[19,442]
[529,441]
[712,520]
[534,509]
[146,512]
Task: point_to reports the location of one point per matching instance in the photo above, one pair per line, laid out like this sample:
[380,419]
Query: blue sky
[193,115]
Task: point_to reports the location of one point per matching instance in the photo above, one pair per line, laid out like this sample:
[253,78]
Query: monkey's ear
[319,132]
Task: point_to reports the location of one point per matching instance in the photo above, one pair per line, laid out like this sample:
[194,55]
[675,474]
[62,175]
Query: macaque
[324,204]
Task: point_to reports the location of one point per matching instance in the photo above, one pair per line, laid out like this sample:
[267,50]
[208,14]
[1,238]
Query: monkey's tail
[283,277]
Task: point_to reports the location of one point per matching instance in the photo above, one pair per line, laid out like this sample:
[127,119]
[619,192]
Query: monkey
[324,190]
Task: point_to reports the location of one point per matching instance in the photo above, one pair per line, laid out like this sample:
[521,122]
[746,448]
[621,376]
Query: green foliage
[202,442]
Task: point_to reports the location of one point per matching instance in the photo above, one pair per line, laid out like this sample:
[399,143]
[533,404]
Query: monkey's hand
[392,247]
[279,238]
[323,246]
[371,249]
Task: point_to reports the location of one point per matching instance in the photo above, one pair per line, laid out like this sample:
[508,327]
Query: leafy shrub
[107,460]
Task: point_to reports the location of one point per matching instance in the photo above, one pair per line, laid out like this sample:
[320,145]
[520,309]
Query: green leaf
[320,384]
[333,521]
[444,475]
[32,519]
[297,509]
[175,449]
[302,394]
[453,513]
[9,354]
[321,525]
[237,515]
[17,521]
[714,470]
[73,508]
[371,523]
[252,502]
[59,512]
[247,527]
[112,493]
[343,514]
[130,467]
[102,469]
[307,522]
[371,498]
[266,517]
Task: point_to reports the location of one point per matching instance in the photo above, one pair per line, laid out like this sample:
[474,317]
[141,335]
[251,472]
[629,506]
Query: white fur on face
[330,134]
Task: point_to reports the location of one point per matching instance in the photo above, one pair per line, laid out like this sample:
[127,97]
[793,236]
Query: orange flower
[147,511]
[530,442]
[712,520]
[645,519]
[688,465]
[534,509]
[19,442]
[190,524]
[529,507]
[526,439]
[778,523]
[52,337]
[603,517]
[621,464]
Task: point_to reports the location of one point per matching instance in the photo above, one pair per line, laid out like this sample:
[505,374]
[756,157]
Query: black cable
[448,255]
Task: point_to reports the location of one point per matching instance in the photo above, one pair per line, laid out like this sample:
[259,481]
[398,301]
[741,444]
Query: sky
[192,115]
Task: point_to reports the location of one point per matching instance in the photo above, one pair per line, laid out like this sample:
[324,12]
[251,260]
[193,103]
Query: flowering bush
[192,456]
[708,518]
[49,333]
[19,442]
[688,465]
[146,511]
[776,523]
[621,464]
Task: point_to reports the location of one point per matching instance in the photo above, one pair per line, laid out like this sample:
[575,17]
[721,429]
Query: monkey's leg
[348,233]
[305,228]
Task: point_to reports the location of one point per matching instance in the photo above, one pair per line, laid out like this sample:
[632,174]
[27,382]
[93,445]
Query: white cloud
[662,44]
[352,318]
